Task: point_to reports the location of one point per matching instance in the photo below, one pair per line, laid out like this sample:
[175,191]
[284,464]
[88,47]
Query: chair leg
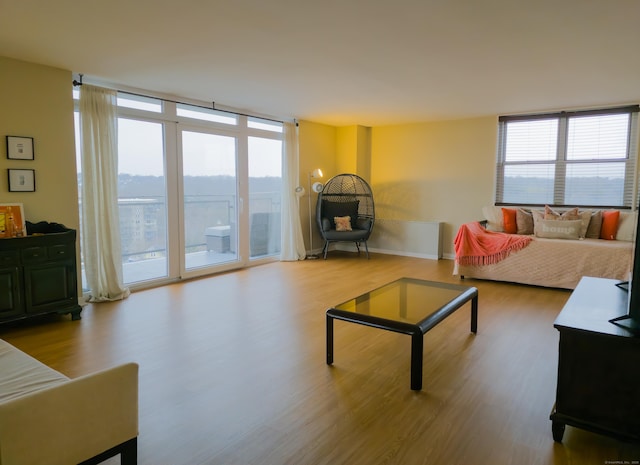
[358,247]
[366,247]
[325,249]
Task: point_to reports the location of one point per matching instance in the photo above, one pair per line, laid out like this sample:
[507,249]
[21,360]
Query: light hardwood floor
[233,372]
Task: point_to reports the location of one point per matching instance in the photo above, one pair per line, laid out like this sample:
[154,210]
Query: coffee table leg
[329,340]
[474,315]
[416,361]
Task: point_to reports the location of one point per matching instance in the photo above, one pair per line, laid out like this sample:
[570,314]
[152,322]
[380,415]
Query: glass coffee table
[407,306]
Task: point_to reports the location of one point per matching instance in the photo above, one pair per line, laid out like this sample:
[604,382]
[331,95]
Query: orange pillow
[609,227]
[509,220]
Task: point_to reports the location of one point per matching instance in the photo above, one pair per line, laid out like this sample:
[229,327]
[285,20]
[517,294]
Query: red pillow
[609,227]
[509,220]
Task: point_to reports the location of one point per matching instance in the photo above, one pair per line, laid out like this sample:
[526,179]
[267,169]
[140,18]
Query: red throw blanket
[474,245]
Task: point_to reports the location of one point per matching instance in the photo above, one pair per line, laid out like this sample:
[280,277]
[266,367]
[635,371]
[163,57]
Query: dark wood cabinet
[38,275]
[598,365]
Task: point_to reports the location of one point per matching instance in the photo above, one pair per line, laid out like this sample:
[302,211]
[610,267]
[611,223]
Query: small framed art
[12,222]
[20,148]
[22,180]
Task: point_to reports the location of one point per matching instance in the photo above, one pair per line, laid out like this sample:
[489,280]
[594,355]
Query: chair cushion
[332,209]
[355,235]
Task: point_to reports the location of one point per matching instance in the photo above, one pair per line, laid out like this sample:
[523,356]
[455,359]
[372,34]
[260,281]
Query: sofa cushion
[538,218]
[595,224]
[509,220]
[609,224]
[494,218]
[627,226]
[551,214]
[524,221]
[23,374]
[559,229]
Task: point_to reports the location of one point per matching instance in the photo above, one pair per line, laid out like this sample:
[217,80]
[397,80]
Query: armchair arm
[73,421]
[363,223]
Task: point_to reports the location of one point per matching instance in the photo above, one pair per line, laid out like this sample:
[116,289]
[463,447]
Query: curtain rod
[213,104]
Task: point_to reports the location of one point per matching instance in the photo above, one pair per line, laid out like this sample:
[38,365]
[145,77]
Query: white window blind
[584,158]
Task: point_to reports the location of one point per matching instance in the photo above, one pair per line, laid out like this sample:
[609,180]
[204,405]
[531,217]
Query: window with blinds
[582,158]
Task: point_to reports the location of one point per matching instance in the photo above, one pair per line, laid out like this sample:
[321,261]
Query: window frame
[147,108]
[561,161]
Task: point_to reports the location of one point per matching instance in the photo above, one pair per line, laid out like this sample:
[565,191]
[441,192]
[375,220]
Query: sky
[140,152]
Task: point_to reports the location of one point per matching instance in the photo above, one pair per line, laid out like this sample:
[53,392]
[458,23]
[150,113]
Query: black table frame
[416,331]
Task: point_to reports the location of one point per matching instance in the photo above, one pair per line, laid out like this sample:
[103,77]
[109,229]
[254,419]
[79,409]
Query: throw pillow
[509,220]
[550,214]
[343,223]
[609,224]
[538,217]
[570,215]
[595,225]
[493,215]
[627,224]
[585,217]
[560,229]
[524,221]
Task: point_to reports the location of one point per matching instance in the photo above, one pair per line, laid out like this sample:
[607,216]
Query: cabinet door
[598,381]
[50,286]
[11,303]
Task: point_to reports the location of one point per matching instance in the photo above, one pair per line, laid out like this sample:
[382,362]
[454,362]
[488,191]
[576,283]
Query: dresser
[38,275]
[598,364]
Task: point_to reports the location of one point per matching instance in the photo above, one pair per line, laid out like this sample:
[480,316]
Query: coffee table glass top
[406,300]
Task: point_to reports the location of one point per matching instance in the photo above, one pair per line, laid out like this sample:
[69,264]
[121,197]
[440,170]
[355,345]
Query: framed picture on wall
[22,180]
[12,223]
[20,148]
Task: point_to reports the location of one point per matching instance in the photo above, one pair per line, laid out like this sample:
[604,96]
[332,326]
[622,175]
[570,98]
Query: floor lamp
[317,187]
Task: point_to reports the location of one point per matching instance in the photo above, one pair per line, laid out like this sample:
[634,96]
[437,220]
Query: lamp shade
[317,187]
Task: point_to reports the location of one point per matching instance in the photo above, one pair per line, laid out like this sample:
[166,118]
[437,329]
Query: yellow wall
[353,151]
[317,148]
[347,149]
[36,101]
[438,171]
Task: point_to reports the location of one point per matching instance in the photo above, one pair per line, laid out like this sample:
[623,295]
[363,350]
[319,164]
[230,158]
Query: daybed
[552,259]
[49,419]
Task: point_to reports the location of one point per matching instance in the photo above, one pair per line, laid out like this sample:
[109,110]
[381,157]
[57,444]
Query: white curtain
[292,239]
[101,246]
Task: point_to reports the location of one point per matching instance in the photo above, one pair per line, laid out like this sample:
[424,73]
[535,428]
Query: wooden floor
[233,372]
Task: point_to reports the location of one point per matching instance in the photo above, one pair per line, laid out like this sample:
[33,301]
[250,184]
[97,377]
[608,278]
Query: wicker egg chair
[345,196]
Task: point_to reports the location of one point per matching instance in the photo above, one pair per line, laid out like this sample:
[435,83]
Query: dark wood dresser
[598,364]
[38,276]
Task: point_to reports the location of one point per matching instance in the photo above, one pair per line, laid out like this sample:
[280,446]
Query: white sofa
[49,419]
[558,263]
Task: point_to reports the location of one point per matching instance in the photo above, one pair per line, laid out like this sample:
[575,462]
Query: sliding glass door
[209,199]
[142,200]
[265,185]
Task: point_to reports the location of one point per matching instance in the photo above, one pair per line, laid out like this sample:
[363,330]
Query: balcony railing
[143,230]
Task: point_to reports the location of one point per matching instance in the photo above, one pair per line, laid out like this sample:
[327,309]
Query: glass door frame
[241,214]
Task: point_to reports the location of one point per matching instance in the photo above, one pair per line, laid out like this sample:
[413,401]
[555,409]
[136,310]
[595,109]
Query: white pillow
[494,217]
[626,226]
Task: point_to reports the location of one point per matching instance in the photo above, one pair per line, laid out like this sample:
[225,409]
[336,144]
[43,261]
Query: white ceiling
[344,62]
